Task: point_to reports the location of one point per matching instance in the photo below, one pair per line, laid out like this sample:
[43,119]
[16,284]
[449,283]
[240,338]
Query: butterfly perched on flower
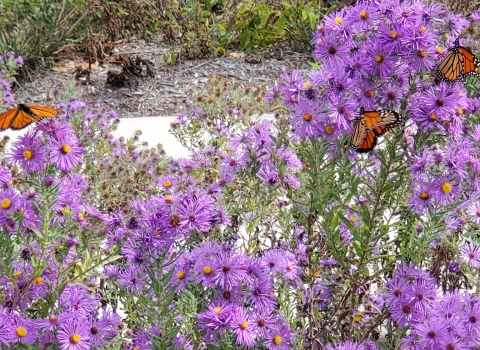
[23,115]
[369,125]
[458,64]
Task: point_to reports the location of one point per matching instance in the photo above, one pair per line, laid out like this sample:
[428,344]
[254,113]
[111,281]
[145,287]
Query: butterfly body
[369,126]
[458,64]
[22,116]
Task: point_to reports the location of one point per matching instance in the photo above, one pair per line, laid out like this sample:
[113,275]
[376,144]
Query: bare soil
[155,95]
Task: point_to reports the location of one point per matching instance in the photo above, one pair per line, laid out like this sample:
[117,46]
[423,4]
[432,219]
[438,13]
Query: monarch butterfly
[22,116]
[458,64]
[369,126]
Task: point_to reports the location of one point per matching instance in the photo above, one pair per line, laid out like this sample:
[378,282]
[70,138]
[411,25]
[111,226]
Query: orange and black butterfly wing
[451,67]
[8,117]
[32,113]
[368,143]
[458,63]
[369,126]
[381,121]
[362,140]
[471,63]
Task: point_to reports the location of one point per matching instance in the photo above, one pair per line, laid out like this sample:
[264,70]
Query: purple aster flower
[7,332]
[5,176]
[381,62]
[261,295]
[217,318]
[74,335]
[195,212]
[367,96]
[431,332]
[396,290]
[54,321]
[24,330]
[452,341]
[265,322]
[421,58]
[244,328]
[331,49]
[422,197]
[230,273]
[391,95]
[280,337]
[305,118]
[101,330]
[340,111]
[470,253]
[28,153]
[204,271]
[473,210]
[65,152]
[355,65]
[167,182]
[9,200]
[476,16]
[402,313]
[422,295]
[269,175]
[363,16]
[130,280]
[441,101]
[426,119]
[446,190]
[76,299]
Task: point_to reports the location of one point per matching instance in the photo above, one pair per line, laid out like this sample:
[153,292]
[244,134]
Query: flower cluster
[436,321]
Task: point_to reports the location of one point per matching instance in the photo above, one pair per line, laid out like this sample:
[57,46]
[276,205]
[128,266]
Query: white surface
[154,130]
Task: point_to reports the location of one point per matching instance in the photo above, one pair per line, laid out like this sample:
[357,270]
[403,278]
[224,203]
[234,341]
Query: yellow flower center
[289,267]
[53,319]
[167,183]
[168,198]
[218,310]
[422,53]
[28,154]
[308,117]
[207,270]
[17,274]
[459,111]
[181,275]
[357,318]
[478,212]
[339,20]
[329,129]
[363,14]
[432,117]
[6,203]
[277,340]
[423,29]
[394,34]
[353,218]
[21,332]
[446,187]
[307,84]
[424,195]
[75,338]
[379,58]
[39,280]
[440,50]
[243,325]
[81,216]
[64,210]
[65,149]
